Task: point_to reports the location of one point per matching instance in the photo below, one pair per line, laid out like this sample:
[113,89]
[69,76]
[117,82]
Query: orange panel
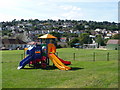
[37,52]
[51,48]
[25,48]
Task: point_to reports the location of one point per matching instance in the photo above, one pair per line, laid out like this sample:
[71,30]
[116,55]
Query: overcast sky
[94,10]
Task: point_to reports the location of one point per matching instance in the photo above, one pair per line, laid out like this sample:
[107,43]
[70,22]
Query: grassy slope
[99,74]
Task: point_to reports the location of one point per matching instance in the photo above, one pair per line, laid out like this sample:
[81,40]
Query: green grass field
[85,72]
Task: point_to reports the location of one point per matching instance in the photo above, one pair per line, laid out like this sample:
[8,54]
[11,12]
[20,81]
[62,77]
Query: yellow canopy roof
[47,36]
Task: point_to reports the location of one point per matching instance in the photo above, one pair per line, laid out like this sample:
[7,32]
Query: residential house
[12,44]
[111,34]
[113,44]
[94,45]
[63,39]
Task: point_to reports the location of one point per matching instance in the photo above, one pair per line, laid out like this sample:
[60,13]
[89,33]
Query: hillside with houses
[70,33]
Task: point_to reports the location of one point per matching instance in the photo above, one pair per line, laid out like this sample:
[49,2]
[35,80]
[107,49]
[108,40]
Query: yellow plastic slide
[58,63]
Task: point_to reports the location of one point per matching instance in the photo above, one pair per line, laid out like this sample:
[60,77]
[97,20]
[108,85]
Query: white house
[12,44]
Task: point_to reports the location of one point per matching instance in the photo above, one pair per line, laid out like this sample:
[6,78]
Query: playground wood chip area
[84,72]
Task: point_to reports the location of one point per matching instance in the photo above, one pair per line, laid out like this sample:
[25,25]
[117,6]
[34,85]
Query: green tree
[69,35]
[79,27]
[56,34]
[84,38]
[99,40]
[73,41]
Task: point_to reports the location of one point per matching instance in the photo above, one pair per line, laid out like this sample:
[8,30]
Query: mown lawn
[84,74]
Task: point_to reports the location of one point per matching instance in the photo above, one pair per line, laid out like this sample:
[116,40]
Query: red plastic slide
[63,61]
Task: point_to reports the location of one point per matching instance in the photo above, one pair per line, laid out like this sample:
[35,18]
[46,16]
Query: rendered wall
[112,46]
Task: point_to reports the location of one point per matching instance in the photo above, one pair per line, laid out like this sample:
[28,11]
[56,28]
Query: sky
[90,10]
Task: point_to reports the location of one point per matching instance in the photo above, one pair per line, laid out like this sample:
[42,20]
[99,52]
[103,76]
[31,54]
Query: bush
[73,41]
[58,46]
